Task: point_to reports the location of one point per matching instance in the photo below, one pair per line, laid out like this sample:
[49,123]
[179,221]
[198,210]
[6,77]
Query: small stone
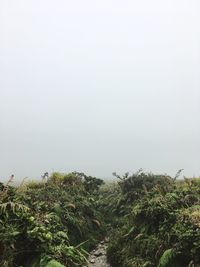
[92,261]
[98,253]
[106,240]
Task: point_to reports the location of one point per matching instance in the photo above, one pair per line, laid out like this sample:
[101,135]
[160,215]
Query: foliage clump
[52,223]
[162,227]
[152,221]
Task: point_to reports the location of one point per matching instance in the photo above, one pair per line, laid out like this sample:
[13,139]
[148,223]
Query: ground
[98,256]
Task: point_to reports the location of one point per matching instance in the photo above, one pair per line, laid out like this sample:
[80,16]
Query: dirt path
[98,256]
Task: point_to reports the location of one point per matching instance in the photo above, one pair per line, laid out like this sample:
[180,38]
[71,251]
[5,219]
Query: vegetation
[50,224]
[162,225]
[152,220]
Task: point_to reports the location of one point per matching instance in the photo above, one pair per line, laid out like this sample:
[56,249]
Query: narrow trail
[98,256]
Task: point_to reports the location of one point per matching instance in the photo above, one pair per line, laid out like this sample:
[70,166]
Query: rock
[98,253]
[98,256]
[106,240]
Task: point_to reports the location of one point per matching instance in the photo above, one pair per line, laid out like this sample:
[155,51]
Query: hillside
[150,220]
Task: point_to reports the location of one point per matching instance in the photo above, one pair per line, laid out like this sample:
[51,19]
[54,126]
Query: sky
[99,86]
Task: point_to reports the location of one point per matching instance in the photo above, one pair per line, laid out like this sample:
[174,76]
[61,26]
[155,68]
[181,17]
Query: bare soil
[98,256]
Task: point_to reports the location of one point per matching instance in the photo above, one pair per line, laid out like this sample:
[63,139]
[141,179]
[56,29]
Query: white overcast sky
[99,86]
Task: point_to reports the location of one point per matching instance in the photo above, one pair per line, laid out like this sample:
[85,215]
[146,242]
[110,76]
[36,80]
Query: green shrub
[163,228]
[49,223]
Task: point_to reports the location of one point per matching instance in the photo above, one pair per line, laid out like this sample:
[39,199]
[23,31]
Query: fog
[99,86]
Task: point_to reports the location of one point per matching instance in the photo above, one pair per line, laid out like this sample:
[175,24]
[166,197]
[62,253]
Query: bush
[49,224]
[162,230]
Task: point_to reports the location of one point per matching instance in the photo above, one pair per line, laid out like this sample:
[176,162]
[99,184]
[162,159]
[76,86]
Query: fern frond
[12,206]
